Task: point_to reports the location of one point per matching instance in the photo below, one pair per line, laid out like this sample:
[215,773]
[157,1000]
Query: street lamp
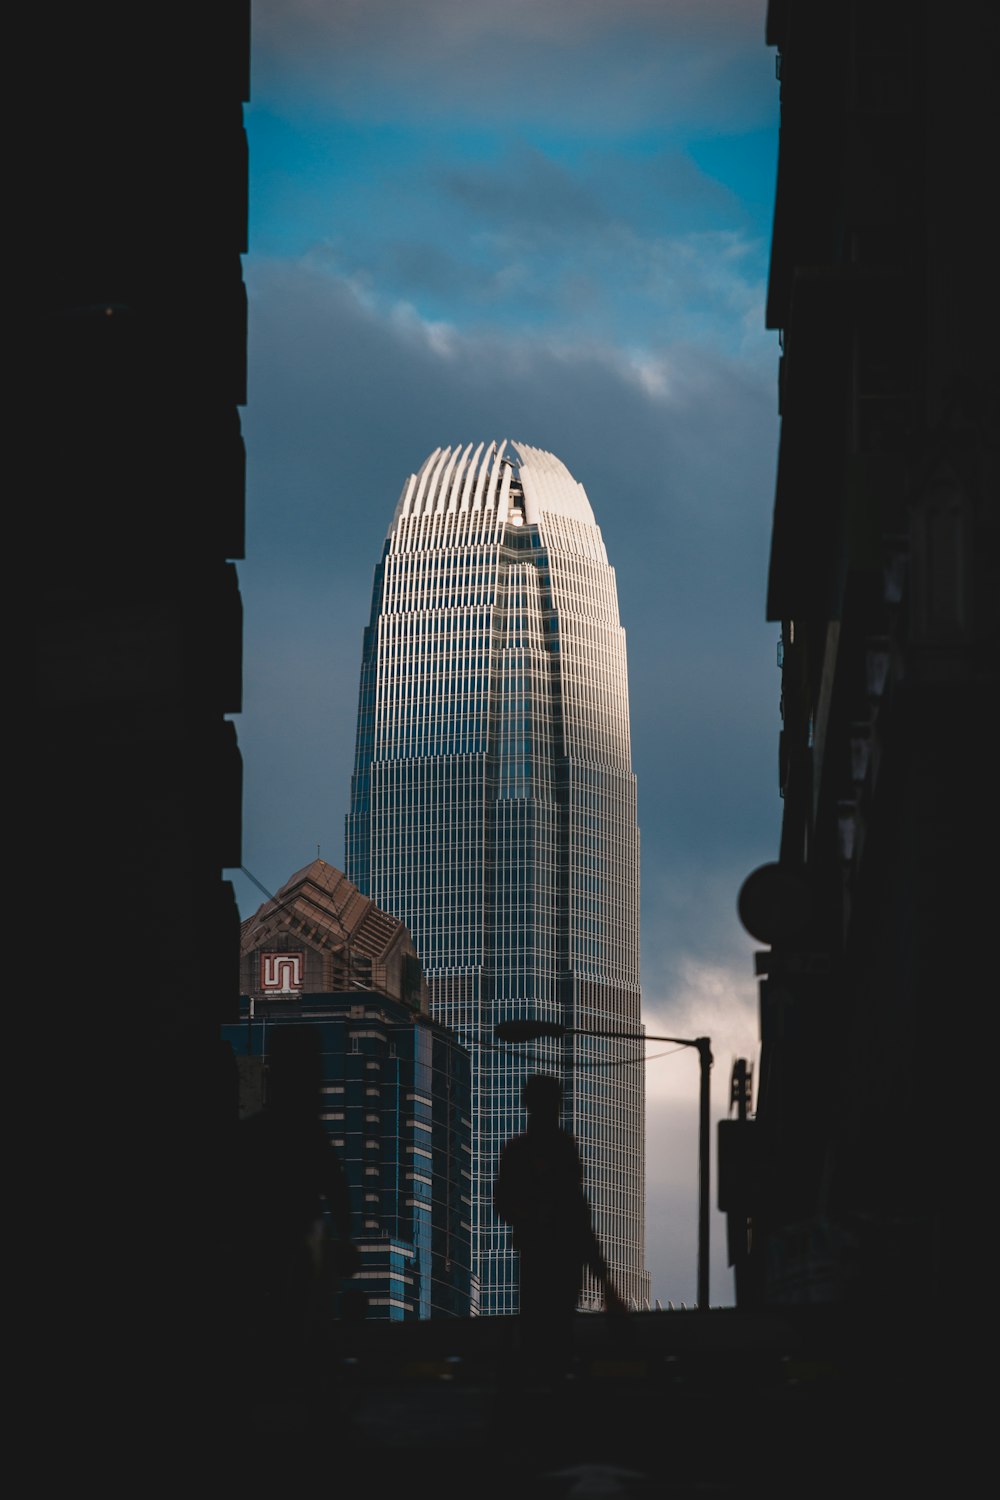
[532,1031]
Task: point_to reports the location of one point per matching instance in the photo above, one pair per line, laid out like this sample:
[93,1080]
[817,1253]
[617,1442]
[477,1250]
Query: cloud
[582,64]
[518,238]
[674,442]
[349,391]
[717,1000]
[704,996]
[527,192]
[348,396]
[545,220]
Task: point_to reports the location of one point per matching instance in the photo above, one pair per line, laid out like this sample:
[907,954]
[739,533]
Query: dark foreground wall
[864,1169]
[129,364]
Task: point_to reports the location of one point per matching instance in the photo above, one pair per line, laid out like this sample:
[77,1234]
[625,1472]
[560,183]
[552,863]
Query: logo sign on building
[281,973]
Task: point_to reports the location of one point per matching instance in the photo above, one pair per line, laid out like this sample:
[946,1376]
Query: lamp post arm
[703,1043]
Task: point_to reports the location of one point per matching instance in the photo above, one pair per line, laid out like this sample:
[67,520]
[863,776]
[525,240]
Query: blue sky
[547,222]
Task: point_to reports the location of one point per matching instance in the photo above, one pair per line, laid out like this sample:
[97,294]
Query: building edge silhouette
[850,1185]
[130,361]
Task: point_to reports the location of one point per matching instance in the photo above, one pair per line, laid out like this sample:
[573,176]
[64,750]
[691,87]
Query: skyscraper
[493,811]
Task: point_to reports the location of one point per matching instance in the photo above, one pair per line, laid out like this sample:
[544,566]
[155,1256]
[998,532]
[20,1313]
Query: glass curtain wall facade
[395,1104]
[493,811]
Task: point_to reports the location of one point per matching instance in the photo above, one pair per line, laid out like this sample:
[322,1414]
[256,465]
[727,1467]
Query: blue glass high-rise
[493,811]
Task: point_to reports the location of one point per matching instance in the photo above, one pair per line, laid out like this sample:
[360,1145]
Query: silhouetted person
[292,1229]
[539,1192]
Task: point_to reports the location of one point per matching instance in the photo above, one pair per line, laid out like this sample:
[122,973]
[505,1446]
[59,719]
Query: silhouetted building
[859,1170]
[493,809]
[129,353]
[395,1084]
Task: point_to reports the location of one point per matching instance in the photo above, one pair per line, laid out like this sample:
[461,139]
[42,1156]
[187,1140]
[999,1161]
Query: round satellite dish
[774,904]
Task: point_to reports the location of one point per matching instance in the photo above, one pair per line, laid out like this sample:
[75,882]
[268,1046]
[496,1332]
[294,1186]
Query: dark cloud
[346,401]
[662,191]
[436,272]
[583,64]
[529,192]
[543,220]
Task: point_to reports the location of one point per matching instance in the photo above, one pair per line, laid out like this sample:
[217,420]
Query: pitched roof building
[319,934]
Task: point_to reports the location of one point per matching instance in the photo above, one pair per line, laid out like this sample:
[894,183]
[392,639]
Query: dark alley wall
[130,368]
[870,1127]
